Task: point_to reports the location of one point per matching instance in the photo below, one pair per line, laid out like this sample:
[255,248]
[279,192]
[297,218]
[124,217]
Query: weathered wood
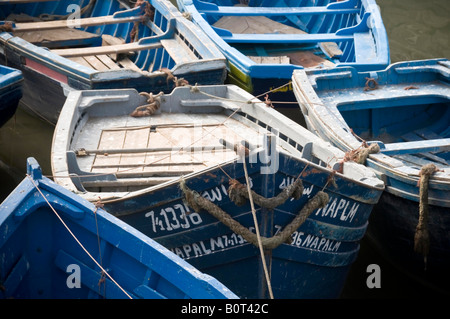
[128,64]
[263,25]
[108,61]
[79,23]
[270,59]
[255,25]
[416,147]
[65,36]
[179,52]
[113,49]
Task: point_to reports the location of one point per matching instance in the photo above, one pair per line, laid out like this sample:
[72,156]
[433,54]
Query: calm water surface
[417,29]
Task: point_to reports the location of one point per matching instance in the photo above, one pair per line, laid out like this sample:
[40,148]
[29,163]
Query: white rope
[258,236]
[76,239]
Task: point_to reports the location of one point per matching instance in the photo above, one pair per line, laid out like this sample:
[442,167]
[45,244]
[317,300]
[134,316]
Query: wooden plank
[113,49]
[80,23]
[81,61]
[180,53]
[108,61]
[128,64]
[416,147]
[255,25]
[62,37]
[135,139]
[263,25]
[109,139]
[112,40]
[96,63]
[274,11]
[270,59]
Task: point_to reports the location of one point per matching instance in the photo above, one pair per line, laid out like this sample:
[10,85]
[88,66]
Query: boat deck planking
[161,152]
[62,38]
[264,25]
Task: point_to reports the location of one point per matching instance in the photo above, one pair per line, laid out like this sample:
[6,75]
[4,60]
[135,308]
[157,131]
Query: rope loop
[198,202]
[238,194]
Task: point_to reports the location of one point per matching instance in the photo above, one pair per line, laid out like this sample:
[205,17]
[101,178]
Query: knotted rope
[7,27]
[421,236]
[149,14]
[151,107]
[360,154]
[198,202]
[239,194]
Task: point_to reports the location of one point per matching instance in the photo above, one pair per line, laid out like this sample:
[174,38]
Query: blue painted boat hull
[41,259]
[314,265]
[356,27]
[49,76]
[11,81]
[319,252]
[405,109]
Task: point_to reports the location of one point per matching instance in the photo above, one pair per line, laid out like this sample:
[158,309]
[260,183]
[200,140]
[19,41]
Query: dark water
[417,29]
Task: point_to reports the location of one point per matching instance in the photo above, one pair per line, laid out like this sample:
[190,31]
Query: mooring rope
[198,202]
[76,239]
[421,236]
[258,235]
[238,193]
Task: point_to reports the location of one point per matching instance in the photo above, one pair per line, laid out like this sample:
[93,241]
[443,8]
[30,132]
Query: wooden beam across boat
[415,147]
[274,11]
[83,22]
[111,49]
[285,38]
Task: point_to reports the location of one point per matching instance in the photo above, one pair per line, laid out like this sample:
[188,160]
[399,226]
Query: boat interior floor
[65,37]
[150,150]
[307,56]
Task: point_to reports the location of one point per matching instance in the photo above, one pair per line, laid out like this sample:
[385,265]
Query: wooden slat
[135,139]
[109,139]
[128,64]
[83,22]
[96,63]
[66,36]
[417,147]
[81,61]
[275,11]
[179,52]
[270,59]
[108,61]
[113,49]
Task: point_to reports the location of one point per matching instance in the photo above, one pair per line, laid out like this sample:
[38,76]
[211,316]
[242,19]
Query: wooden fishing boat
[405,110]
[264,41]
[63,45]
[10,92]
[54,244]
[175,176]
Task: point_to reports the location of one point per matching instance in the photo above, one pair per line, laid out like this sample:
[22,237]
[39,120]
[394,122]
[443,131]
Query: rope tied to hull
[421,236]
[148,15]
[198,202]
[239,194]
[153,103]
[360,154]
